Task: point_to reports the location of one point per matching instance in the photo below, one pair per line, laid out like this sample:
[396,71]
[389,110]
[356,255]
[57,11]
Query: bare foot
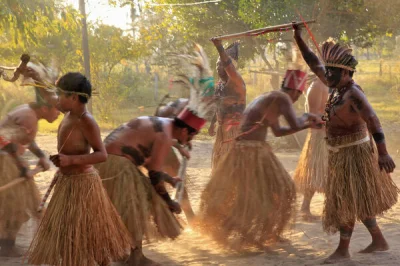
[376,246]
[11,252]
[337,256]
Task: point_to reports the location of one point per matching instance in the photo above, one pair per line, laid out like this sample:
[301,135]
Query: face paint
[333,76]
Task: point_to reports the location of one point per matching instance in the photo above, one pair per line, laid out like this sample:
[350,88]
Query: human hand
[61,160]
[174,207]
[44,164]
[216,41]
[184,152]
[296,30]
[386,163]
[175,181]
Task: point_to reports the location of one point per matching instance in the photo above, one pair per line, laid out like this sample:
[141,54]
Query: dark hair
[181,124]
[76,82]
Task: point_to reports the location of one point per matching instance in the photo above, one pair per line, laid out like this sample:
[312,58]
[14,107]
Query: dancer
[249,199]
[18,203]
[231,92]
[145,141]
[358,186]
[80,226]
[311,170]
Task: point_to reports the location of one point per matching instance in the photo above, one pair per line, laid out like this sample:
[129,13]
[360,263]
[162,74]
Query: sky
[101,10]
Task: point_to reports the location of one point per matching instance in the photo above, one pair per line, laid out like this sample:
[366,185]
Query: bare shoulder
[356,92]
[87,122]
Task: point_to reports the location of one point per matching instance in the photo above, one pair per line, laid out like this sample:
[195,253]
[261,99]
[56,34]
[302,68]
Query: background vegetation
[129,67]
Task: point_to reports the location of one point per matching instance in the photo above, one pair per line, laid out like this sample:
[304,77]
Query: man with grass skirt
[311,170]
[20,202]
[231,94]
[141,200]
[249,199]
[358,186]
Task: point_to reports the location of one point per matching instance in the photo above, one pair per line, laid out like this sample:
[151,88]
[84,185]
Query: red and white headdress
[295,79]
[191,119]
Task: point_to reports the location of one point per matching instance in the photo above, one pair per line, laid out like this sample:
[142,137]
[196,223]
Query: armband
[166,197]
[379,137]
[155,177]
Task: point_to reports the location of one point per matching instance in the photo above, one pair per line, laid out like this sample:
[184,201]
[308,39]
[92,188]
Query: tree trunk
[85,46]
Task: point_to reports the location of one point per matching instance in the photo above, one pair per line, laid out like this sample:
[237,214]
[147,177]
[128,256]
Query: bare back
[135,139]
[265,111]
[316,97]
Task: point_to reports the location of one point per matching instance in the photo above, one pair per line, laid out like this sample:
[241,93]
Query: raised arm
[311,59]
[360,103]
[226,61]
[15,76]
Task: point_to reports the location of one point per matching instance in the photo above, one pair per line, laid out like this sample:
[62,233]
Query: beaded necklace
[335,97]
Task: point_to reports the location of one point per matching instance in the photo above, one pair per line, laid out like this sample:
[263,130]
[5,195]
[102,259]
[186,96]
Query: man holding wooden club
[19,200]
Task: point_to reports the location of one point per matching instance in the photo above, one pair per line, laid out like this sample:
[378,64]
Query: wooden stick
[180,187]
[256,32]
[19,180]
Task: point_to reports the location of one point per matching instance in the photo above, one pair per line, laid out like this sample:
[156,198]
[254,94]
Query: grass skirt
[222,135]
[81,226]
[143,211]
[356,188]
[18,203]
[312,168]
[250,197]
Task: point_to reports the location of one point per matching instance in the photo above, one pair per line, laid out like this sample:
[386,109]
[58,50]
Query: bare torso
[232,101]
[343,119]
[134,140]
[263,111]
[72,142]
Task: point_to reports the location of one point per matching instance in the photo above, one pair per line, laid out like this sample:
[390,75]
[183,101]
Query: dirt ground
[309,245]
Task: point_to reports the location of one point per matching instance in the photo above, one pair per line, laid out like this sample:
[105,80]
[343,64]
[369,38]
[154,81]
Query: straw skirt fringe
[80,226]
[143,211]
[356,188]
[250,197]
[220,147]
[312,168]
[18,203]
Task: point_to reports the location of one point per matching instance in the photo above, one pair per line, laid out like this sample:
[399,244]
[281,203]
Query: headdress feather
[193,74]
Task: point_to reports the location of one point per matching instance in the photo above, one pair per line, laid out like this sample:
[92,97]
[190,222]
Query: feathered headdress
[335,55]
[193,74]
